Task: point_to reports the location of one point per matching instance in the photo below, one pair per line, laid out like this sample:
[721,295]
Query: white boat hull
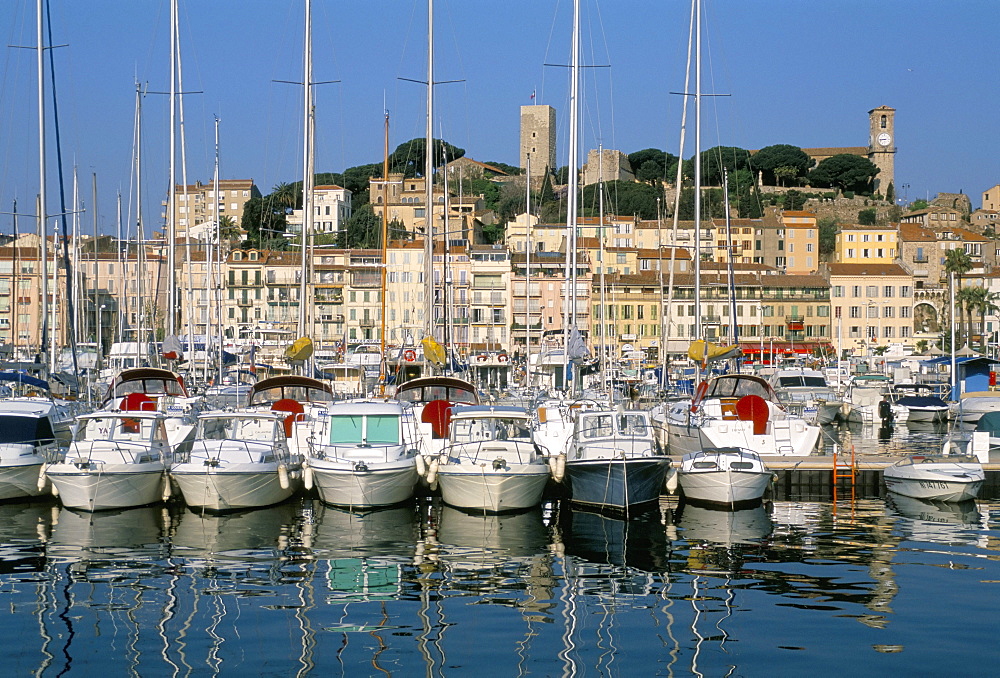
[724,486]
[99,487]
[940,481]
[238,486]
[688,438]
[364,486]
[20,479]
[480,487]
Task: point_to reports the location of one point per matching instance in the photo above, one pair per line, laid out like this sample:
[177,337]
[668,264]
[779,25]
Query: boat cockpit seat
[728,408]
[137,402]
[295,410]
[437,413]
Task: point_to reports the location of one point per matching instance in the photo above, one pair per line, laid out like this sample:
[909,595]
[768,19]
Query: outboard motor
[885,412]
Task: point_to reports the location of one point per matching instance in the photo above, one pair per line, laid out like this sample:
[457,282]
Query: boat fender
[166,487]
[307,475]
[55,490]
[42,478]
[557,466]
[673,482]
[421,465]
[432,472]
[283,476]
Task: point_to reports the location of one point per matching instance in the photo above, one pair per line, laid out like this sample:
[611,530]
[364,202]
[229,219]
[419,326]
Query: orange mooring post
[844,469]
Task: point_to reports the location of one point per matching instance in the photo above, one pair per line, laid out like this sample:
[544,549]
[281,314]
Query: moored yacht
[116,460]
[809,391]
[737,410]
[935,477]
[491,463]
[363,454]
[730,477]
[238,460]
[614,461]
[27,441]
[917,403]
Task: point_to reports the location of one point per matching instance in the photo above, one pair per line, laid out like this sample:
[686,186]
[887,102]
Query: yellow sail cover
[301,349]
[434,351]
[707,352]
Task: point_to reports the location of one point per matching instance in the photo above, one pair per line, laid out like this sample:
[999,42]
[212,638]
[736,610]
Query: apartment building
[331,207]
[857,244]
[872,306]
[197,207]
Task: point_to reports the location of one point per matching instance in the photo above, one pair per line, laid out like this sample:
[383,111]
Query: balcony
[329,298]
[920,260]
[795,323]
[367,322]
[711,319]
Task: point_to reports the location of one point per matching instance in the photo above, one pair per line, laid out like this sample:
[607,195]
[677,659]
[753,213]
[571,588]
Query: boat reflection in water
[935,521]
[252,535]
[473,541]
[24,530]
[721,527]
[603,538]
[108,541]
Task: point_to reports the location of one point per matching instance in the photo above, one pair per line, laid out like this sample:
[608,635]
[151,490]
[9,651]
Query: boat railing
[130,452]
[363,452]
[518,450]
[212,455]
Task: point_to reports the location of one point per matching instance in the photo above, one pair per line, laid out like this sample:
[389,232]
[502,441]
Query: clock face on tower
[883,139]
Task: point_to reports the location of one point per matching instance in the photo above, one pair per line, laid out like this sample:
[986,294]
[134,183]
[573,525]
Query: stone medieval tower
[538,137]
[882,146]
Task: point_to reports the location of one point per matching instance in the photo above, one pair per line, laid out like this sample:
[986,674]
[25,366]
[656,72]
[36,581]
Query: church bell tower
[882,146]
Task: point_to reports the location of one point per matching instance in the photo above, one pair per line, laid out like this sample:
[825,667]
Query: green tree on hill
[846,172]
[781,163]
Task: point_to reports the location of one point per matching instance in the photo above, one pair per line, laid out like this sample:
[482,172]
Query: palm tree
[286,195]
[982,302]
[959,262]
[965,300]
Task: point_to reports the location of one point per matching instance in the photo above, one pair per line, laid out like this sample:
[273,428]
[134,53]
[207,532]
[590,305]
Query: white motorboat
[726,477]
[363,454]
[116,460]
[491,463]
[808,391]
[300,400]
[432,399]
[974,404]
[614,461]
[27,441]
[239,460]
[737,410]
[865,393]
[935,477]
[147,389]
[917,403]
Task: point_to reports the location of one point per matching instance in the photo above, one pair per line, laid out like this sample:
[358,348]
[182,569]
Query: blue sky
[796,71]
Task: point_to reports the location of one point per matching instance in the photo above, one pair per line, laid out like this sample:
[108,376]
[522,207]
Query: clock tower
[882,146]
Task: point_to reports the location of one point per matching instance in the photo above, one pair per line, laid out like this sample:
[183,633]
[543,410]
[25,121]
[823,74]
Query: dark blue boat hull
[616,483]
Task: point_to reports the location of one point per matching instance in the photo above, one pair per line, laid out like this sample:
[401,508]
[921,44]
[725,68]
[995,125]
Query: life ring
[502,358]
[699,395]
[409,355]
[481,358]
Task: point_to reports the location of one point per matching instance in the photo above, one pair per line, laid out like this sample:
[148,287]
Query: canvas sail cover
[301,349]
[172,349]
[707,352]
[434,351]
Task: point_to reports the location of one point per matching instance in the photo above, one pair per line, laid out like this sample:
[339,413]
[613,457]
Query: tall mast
[213,297]
[527,270]
[307,173]
[604,305]
[569,307]
[385,247]
[172,198]
[42,228]
[428,183]
[697,173]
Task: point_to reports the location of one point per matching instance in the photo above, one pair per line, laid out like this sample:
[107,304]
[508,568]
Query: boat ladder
[845,467]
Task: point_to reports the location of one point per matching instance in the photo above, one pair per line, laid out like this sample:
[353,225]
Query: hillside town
[883,287]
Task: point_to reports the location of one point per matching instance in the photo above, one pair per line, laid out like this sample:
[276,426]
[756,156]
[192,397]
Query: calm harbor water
[883,586]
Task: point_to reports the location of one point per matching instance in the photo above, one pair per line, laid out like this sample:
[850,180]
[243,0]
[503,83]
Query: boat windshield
[130,429]
[33,430]
[604,425]
[234,428]
[438,392]
[364,429]
[476,429]
[170,387]
[737,387]
[801,380]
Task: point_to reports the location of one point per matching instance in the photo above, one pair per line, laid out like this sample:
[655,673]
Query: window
[856,291]
[872,291]
[809,247]
[887,312]
[904,291]
[873,311]
[904,311]
[791,247]
[866,238]
[855,311]
[888,291]
[888,332]
[850,237]
[850,253]
[837,290]
[866,253]
[904,332]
